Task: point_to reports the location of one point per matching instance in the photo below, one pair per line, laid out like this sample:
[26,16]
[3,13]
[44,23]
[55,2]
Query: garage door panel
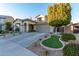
[43,28]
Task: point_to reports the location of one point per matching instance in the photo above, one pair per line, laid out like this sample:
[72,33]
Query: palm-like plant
[8,26]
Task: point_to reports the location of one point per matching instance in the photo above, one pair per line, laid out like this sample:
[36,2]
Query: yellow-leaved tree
[59,14]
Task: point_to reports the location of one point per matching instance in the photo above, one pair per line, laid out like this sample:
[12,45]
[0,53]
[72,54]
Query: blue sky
[27,10]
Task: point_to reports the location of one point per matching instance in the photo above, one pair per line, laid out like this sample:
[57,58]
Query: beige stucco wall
[68,29]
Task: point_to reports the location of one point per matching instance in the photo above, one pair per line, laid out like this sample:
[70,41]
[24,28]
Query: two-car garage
[44,28]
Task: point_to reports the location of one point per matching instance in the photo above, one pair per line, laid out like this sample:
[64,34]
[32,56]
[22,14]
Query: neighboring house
[4,19]
[76,28]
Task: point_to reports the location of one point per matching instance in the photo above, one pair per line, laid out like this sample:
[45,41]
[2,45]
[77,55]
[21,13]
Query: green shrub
[8,26]
[78,49]
[70,50]
[2,32]
[68,36]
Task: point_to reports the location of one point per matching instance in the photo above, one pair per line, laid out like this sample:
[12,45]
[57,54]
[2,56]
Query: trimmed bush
[70,50]
[68,36]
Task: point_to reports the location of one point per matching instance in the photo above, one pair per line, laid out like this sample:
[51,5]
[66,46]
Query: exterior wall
[68,29]
[29,22]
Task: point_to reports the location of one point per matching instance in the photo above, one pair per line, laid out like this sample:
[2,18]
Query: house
[39,24]
[4,19]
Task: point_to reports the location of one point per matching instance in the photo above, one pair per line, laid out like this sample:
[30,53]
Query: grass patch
[53,42]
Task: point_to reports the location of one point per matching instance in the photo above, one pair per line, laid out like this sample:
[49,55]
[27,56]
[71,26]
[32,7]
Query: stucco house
[39,24]
[4,19]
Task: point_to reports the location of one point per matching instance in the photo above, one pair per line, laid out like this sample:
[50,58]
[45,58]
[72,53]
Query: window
[39,19]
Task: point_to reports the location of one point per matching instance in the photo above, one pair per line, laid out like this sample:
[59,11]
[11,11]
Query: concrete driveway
[16,45]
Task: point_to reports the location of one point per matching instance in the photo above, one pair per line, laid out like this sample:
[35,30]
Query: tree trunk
[56,30]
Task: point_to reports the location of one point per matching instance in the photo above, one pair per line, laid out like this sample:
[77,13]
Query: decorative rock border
[52,49]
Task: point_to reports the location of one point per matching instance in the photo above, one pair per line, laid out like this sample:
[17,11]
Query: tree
[8,26]
[59,14]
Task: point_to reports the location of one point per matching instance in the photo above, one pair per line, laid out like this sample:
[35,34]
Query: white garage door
[43,28]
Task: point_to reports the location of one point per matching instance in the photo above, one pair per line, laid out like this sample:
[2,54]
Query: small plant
[8,26]
[68,36]
[2,32]
[70,50]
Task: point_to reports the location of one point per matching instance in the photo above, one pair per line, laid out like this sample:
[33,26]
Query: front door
[31,27]
[60,29]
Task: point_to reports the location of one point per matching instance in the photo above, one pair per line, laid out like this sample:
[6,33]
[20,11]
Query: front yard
[70,49]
